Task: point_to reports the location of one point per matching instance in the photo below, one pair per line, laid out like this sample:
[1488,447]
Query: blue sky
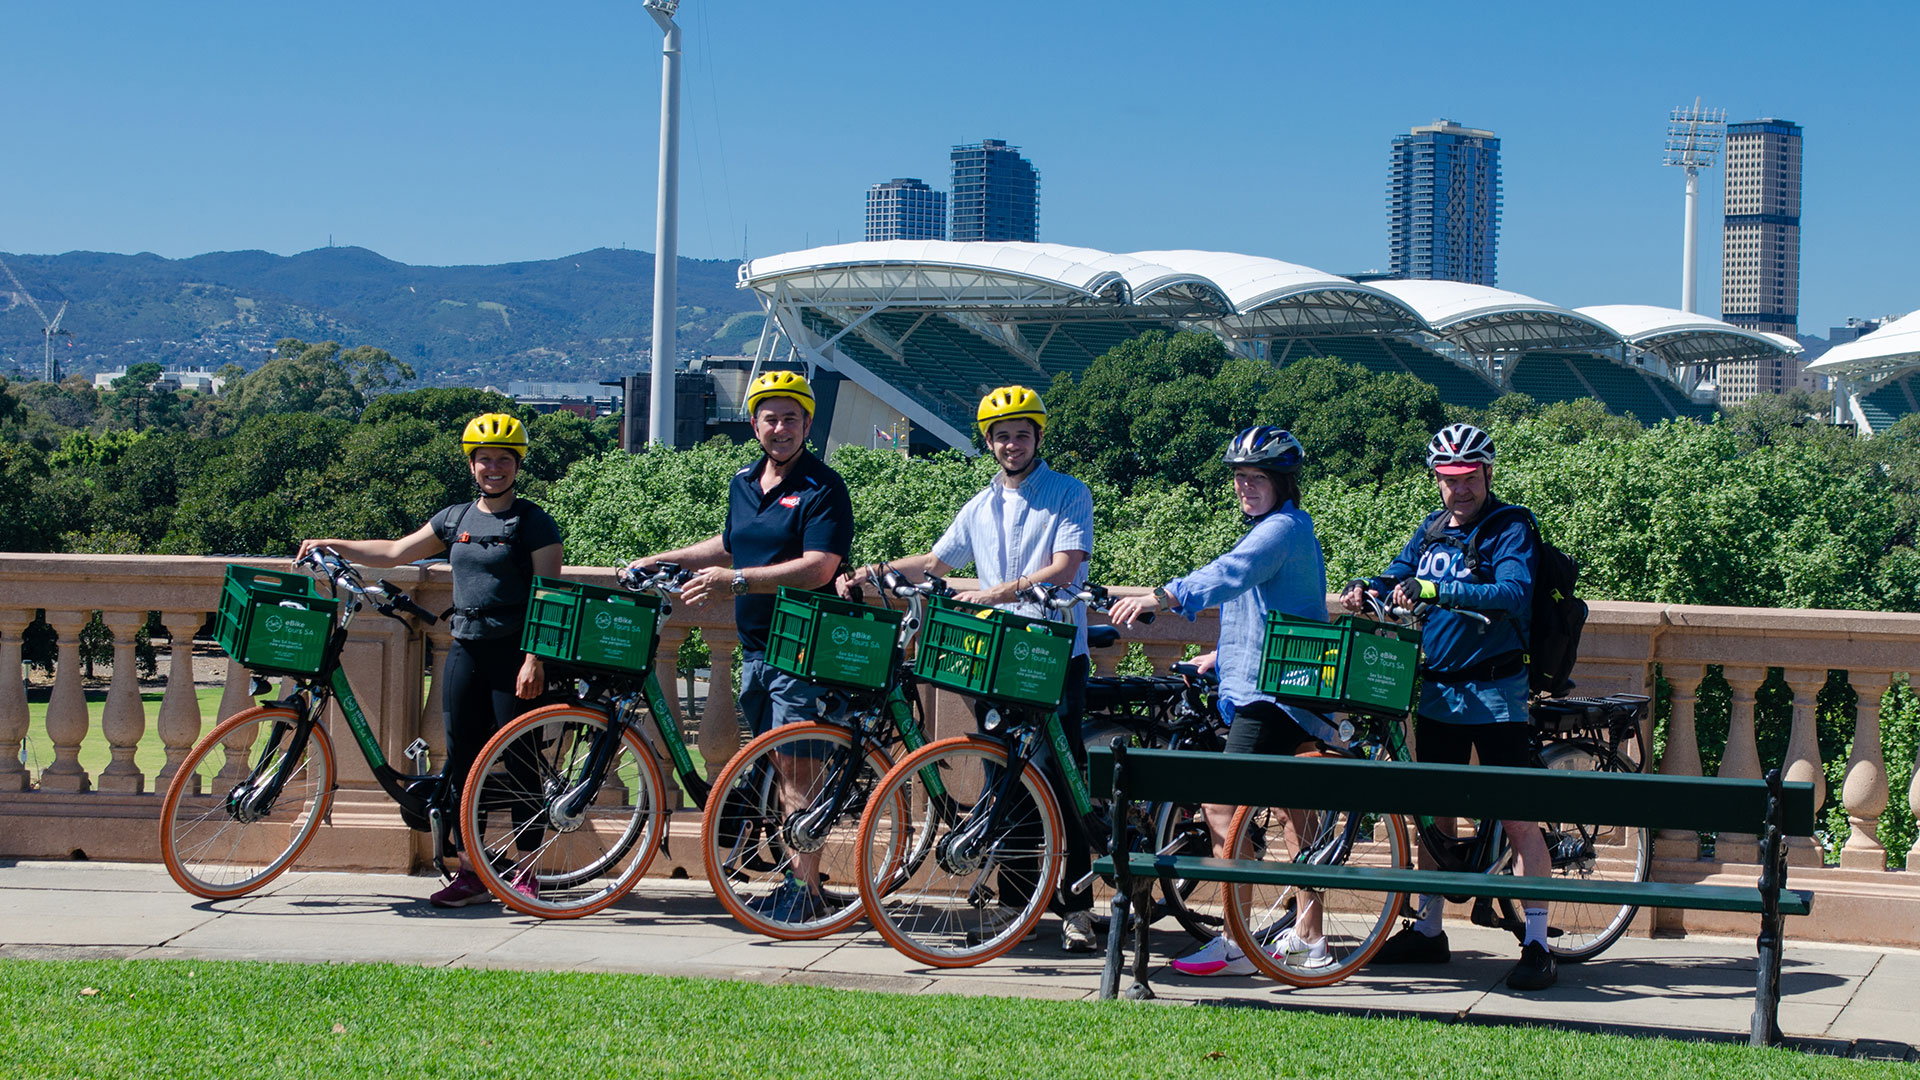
[488,132]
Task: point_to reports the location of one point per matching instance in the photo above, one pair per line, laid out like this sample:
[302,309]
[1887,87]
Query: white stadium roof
[1895,345]
[1685,337]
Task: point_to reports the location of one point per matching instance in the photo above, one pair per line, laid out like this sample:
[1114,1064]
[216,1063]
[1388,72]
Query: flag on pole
[880,434]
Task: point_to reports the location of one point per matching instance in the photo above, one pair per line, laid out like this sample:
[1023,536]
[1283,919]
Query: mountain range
[581,318]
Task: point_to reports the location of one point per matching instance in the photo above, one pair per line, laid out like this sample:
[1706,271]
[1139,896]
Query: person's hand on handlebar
[1355,597]
[1205,661]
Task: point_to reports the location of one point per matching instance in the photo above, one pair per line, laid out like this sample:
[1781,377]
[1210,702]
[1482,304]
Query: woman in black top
[495,544]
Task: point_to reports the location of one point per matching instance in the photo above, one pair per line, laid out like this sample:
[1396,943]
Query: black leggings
[478,700]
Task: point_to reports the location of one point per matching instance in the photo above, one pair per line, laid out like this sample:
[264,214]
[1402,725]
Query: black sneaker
[1410,946]
[1536,970]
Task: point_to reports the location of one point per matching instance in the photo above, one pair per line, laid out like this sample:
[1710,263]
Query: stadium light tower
[1693,138]
[666,235]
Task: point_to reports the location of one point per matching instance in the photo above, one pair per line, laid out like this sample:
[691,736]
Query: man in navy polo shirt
[789,522]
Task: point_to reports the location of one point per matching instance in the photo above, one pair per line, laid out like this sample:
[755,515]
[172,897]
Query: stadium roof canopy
[928,326]
[1895,345]
[1485,320]
[1683,338]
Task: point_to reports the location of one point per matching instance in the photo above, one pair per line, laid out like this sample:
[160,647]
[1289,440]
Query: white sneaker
[1290,950]
[1076,933]
[1216,957]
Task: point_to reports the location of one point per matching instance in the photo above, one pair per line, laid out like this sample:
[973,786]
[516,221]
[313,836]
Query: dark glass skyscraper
[996,193]
[1443,203]
[905,208]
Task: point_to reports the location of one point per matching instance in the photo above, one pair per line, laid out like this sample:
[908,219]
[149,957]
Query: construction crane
[51,327]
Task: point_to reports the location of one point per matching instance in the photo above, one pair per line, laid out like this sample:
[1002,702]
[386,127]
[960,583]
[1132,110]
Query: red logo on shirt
[790,501]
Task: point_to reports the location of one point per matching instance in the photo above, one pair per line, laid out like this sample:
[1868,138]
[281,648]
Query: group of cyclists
[789,524]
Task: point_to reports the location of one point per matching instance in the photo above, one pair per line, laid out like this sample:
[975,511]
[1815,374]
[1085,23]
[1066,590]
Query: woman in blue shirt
[1276,566]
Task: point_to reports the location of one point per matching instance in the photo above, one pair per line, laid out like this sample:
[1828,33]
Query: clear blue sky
[486,132]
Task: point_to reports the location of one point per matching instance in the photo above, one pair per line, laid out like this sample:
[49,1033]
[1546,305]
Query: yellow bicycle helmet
[1011,403]
[787,384]
[495,429]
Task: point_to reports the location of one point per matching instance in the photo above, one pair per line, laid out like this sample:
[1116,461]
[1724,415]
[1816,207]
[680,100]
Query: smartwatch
[739,583]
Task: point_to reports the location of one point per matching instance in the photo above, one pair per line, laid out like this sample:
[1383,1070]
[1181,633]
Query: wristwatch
[739,583]
[1167,602]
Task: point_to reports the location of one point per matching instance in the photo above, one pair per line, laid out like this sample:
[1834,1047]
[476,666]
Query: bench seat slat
[1383,879]
[1708,804]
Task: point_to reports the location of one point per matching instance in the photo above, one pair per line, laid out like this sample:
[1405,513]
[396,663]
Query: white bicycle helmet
[1459,449]
[1271,448]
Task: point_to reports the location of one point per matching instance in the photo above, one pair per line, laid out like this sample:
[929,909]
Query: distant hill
[580,318]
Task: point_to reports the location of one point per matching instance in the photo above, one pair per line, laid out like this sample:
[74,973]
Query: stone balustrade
[64,809]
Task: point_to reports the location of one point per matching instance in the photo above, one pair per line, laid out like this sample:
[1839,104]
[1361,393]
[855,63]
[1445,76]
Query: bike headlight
[991,721]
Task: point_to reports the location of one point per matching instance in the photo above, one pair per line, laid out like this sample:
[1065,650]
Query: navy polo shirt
[809,511]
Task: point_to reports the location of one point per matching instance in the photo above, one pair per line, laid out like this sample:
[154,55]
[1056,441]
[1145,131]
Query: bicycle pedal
[416,752]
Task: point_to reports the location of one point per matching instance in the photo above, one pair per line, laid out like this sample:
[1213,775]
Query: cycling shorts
[1437,742]
[1264,727]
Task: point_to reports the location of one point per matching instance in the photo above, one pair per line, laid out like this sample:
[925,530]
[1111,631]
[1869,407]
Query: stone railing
[111,813]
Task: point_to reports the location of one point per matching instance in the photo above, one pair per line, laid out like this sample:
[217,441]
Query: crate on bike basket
[995,654]
[591,627]
[1353,665]
[824,639]
[274,622]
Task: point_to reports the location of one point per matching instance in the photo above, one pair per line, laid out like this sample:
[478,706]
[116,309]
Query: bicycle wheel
[523,834]
[1581,931]
[760,854]
[245,802]
[1178,829]
[982,885]
[1353,922]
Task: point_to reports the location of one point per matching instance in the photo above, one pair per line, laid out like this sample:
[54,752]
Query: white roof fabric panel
[1250,281]
[1639,322]
[1896,344]
[1443,303]
[1069,266]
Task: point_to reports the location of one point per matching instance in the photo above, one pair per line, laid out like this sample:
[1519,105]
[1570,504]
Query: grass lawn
[150,755]
[124,1019]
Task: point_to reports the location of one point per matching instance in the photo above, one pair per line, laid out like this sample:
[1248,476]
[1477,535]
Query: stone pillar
[1742,759]
[66,707]
[720,718]
[14,718]
[1803,756]
[666,670]
[180,705]
[236,697]
[1864,790]
[433,715]
[1682,757]
[123,719]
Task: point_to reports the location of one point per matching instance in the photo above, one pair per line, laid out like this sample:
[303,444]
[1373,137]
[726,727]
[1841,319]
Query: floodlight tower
[1693,139]
[666,235]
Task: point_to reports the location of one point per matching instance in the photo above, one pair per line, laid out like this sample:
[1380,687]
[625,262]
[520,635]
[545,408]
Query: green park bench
[1768,808]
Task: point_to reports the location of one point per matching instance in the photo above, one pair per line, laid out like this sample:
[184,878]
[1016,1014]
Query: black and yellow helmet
[1011,403]
[495,429]
[787,384]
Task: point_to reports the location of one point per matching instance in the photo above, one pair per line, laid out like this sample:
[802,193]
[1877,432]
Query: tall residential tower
[996,193]
[1443,201]
[1760,254]
[905,208]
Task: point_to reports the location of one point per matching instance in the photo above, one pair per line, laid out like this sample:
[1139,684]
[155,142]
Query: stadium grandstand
[923,328]
[1873,376]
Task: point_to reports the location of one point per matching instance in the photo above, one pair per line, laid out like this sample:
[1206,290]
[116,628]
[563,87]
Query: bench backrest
[1708,804]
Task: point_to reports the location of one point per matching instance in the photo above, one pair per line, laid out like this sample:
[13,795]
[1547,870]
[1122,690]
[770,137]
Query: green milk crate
[1352,665]
[592,627]
[274,622]
[824,639]
[988,653]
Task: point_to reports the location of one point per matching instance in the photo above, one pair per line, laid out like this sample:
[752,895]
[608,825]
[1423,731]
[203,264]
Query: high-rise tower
[996,193]
[1443,202]
[1760,252]
[905,208]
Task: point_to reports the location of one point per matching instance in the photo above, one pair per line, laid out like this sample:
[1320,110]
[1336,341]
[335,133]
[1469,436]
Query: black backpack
[1558,615]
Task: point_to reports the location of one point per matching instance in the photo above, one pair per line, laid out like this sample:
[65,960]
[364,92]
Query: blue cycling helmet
[1271,448]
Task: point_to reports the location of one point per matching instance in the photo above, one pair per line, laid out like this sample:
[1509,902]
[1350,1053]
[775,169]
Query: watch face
[739,585]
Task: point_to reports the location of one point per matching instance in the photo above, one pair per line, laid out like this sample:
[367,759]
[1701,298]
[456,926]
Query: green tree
[320,380]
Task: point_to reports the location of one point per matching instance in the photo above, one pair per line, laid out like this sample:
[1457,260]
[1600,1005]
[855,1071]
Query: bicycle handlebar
[384,595]
[1065,597]
[1411,616]
[663,577]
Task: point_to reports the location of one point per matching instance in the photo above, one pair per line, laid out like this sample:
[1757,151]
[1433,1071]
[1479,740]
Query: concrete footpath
[1842,999]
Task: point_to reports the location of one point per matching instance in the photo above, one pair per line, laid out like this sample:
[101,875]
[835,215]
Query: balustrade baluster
[720,716]
[1682,755]
[1864,790]
[1803,756]
[123,719]
[1742,759]
[67,719]
[433,716]
[1913,805]
[666,671]
[14,718]
[235,697]
[180,718]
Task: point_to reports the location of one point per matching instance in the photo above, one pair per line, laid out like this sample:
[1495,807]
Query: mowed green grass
[124,1019]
